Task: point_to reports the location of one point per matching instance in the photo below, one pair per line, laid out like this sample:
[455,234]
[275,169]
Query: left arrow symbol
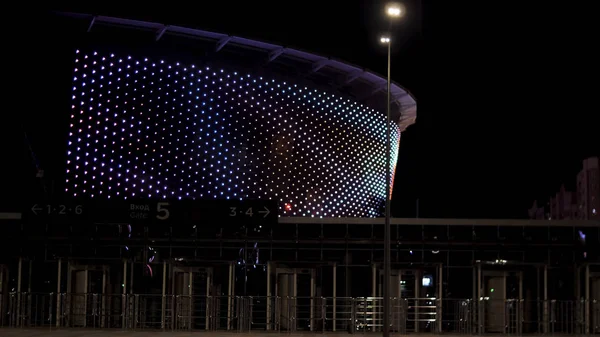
[35,209]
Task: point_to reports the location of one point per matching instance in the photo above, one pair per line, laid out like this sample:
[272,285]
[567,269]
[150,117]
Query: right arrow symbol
[265,212]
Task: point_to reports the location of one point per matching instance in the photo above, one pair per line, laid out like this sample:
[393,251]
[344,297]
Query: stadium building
[212,182]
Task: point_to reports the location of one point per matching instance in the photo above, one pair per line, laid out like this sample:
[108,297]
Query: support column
[208,299]
[269,297]
[539,296]
[164,297]
[440,297]
[124,285]
[85,293]
[58,294]
[334,296]
[230,292]
[124,296]
[399,310]
[283,306]
[19,275]
[399,286]
[30,276]
[380,285]
[103,312]
[191,297]
[3,276]
[373,295]
[521,307]
[478,301]
[131,279]
[586,302]
[418,285]
[295,306]
[69,278]
[578,295]
[577,283]
[504,316]
[312,299]
[347,283]
[68,303]
[19,282]
[545,301]
[29,292]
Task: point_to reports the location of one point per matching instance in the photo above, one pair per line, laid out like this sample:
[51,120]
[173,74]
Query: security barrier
[298,314]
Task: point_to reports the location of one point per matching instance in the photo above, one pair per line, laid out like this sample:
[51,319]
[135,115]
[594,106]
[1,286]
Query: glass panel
[561,256]
[309,231]
[513,234]
[562,234]
[284,231]
[109,231]
[435,255]
[461,233]
[536,234]
[379,232]
[334,231]
[360,281]
[181,231]
[334,254]
[486,233]
[310,253]
[284,254]
[435,233]
[487,255]
[512,256]
[460,284]
[410,233]
[536,255]
[54,230]
[361,256]
[410,255]
[461,258]
[155,231]
[211,231]
[360,231]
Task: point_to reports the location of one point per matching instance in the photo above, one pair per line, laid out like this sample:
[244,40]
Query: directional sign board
[60,211]
[187,211]
[154,212]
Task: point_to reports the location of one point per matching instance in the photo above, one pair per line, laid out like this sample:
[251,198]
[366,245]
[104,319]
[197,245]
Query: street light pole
[393,10]
[387,236]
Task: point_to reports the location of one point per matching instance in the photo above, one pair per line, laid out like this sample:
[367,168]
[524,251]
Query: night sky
[507,95]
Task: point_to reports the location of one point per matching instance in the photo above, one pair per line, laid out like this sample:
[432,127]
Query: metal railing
[298,314]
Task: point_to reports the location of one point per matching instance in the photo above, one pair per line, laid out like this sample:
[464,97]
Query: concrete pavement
[41,332]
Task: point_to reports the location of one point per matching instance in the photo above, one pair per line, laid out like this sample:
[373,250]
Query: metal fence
[297,314]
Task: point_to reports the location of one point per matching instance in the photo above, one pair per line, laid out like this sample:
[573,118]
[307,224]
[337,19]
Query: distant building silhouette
[588,190]
[563,205]
[584,204]
[537,212]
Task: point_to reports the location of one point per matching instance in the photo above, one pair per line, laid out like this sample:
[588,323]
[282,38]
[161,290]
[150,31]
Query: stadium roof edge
[401,96]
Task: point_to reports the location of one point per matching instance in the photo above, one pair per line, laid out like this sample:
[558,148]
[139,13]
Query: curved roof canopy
[406,111]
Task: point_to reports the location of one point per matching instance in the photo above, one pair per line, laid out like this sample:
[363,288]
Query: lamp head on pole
[385,39]
[394,10]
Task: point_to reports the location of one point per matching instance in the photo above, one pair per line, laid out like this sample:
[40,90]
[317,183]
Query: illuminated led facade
[143,127]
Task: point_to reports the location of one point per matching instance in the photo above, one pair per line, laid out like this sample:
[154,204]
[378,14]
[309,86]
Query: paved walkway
[41,332]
